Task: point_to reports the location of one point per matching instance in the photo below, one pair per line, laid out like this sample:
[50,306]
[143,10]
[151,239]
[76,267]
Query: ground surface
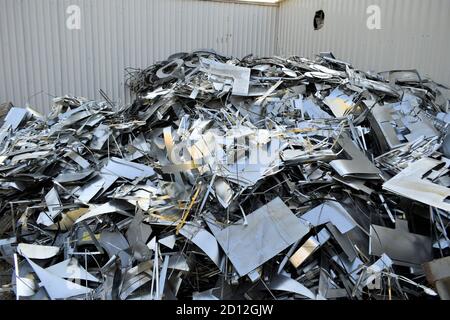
[5,279]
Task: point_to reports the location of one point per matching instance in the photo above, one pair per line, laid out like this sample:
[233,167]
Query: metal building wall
[40,56]
[413,34]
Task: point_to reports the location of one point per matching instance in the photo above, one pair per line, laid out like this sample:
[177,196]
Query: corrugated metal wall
[40,56]
[413,34]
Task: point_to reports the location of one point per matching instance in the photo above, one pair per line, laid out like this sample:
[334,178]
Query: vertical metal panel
[413,34]
[41,58]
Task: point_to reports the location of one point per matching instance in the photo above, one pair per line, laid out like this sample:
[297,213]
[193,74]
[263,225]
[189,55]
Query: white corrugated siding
[40,57]
[414,34]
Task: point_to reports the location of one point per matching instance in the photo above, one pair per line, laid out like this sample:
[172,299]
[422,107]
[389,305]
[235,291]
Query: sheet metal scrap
[258,178]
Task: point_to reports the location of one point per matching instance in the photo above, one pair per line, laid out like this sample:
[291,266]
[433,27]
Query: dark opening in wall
[319,19]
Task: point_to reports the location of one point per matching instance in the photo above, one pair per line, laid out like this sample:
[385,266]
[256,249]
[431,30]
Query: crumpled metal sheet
[259,178]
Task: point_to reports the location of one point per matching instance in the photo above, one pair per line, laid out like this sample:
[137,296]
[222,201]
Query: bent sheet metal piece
[438,274]
[225,178]
[204,240]
[273,224]
[330,211]
[309,247]
[33,251]
[413,183]
[57,287]
[403,247]
[284,283]
[71,269]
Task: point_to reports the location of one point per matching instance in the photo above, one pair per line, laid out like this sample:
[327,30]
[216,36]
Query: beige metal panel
[40,57]
[413,34]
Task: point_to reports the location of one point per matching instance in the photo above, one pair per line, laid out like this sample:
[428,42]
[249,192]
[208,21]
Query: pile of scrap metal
[259,178]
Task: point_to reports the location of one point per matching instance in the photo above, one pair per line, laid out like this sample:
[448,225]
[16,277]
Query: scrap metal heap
[259,178]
